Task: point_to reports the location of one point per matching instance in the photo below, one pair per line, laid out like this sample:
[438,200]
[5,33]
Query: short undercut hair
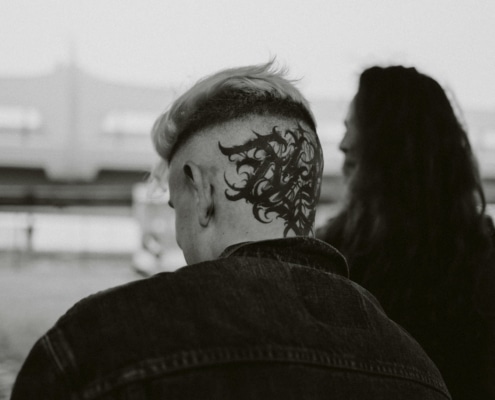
[229,95]
[281,169]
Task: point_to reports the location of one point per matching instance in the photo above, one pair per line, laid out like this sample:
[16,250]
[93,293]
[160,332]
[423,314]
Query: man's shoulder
[221,284]
[235,303]
[160,284]
[164,289]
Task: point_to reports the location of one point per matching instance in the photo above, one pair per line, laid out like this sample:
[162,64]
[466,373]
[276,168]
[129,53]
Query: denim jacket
[276,319]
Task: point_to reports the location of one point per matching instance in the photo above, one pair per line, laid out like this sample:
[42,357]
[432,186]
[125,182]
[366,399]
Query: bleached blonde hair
[231,94]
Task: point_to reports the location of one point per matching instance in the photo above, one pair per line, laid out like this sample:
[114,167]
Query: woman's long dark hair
[413,226]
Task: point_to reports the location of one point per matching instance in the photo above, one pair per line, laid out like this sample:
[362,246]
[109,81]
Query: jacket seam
[192,359]
[61,353]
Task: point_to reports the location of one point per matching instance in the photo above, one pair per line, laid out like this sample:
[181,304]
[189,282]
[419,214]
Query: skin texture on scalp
[264,173]
[278,177]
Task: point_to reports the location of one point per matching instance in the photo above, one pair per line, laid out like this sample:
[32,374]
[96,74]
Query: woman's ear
[203,189]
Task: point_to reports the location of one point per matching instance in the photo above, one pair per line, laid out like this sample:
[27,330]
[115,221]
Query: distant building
[73,125]
[72,128]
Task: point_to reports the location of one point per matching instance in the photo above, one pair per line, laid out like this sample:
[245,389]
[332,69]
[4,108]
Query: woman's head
[404,141]
[414,208]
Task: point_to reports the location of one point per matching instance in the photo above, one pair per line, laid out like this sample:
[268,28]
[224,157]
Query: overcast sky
[326,43]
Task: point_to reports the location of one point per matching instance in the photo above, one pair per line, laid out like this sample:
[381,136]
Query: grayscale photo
[247,200]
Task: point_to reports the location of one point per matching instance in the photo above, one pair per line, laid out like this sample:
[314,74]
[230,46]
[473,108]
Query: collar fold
[306,251]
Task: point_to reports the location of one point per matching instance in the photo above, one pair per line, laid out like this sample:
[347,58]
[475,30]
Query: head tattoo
[280,175]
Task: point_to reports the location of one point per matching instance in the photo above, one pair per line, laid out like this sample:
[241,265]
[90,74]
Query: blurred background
[81,83]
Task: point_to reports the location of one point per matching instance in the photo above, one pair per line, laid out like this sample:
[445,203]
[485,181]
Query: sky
[324,43]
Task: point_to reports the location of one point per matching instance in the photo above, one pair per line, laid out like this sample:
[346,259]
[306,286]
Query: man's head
[243,161]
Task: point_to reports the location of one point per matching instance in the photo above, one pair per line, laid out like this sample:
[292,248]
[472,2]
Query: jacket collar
[305,251]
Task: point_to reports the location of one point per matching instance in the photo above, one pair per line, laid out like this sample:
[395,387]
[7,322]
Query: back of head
[416,186]
[414,152]
[415,164]
[253,134]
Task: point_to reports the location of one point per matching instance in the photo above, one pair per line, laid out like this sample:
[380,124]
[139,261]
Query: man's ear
[201,184]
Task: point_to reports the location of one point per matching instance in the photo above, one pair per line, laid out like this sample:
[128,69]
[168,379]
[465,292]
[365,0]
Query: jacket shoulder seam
[201,358]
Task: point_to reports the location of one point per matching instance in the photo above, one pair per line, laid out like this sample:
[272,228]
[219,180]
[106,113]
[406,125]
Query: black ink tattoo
[280,174]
